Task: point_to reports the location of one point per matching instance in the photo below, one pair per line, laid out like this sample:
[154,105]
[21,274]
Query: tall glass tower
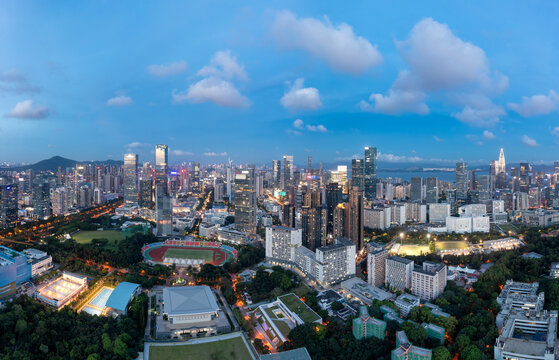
[461,181]
[130,179]
[357,173]
[161,165]
[370,173]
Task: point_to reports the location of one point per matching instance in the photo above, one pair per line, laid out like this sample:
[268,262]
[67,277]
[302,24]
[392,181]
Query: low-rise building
[406,351]
[406,303]
[435,332]
[365,326]
[365,292]
[554,270]
[62,290]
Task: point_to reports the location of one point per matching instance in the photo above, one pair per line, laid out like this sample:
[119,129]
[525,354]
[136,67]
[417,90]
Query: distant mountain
[54,162]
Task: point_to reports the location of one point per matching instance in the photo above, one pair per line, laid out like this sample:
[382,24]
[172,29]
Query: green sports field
[186,253]
[85,237]
[416,250]
[452,245]
[230,349]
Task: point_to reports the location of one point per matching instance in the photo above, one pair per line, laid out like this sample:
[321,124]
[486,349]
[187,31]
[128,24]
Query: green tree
[471,352]
[107,343]
[441,353]
[120,348]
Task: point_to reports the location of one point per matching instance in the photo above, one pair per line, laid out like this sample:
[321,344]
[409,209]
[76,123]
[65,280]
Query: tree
[471,352]
[441,353]
[107,343]
[120,348]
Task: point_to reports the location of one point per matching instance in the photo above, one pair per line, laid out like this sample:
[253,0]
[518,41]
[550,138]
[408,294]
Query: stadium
[188,252]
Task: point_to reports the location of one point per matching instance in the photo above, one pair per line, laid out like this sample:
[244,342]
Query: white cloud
[398,158]
[536,105]
[555,131]
[437,139]
[217,85]
[137,145]
[488,135]
[298,97]
[119,100]
[181,153]
[224,65]
[480,117]
[215,154]
[212,89]
[293,132]
[528,141]
[440,62]
[337,45]
[298,123]
[163,70]
[28,110]
[317,128]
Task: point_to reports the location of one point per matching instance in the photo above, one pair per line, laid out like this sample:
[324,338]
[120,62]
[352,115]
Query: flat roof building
[398,272]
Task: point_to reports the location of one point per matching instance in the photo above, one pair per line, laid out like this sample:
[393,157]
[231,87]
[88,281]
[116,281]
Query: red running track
[156,254]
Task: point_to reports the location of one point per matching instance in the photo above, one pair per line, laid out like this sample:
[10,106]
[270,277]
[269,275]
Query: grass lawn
[85,237]
[451,245]
[413,250]
[298,307]
[186,253]
[230,349]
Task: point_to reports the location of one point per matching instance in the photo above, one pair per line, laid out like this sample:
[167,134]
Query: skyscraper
[370,173]
[357,173]
[432,190]
[229,179]
[501,172]
[354,218]
[161,166]
[41,199]
[8,205]
[276,172]
[163,211]
[461,181]
[245,201]
[416,190]
[145,198]
[287,175]
[130,179]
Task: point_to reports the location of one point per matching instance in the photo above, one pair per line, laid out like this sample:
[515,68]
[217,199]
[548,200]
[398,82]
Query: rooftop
[295,354]
[120,297]
[400,259]
[189,300]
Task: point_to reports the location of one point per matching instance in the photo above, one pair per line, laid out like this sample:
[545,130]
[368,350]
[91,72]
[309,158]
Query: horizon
[263,80]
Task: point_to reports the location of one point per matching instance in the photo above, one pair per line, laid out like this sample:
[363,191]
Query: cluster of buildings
[326,265]
[18,267]
[427,281]
[526,330]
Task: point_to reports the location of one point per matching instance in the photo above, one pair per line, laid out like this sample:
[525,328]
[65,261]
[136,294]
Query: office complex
[130,179]
[461,181]
[357,173]
[370,173]
[161,166]
[245,201]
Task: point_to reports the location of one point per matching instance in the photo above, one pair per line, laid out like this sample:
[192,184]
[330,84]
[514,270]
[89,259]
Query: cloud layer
[217,83]
[528,141]
[301,98]
[536,105]
[169,69]
[14,82]
[439,62]
[28,110]
[119,100]
[337,45]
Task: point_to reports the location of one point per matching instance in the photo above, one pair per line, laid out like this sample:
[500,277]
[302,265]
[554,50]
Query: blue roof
[120,297]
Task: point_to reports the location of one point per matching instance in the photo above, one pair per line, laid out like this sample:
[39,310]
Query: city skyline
[246,78]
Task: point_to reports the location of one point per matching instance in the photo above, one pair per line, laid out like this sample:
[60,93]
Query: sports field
[85,237]
[416,250]
[229,349]
[186,253]
[452,245]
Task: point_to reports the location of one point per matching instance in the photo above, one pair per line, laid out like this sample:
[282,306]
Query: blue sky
[255,80]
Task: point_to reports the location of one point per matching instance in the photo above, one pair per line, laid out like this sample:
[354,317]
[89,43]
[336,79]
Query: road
[236,325]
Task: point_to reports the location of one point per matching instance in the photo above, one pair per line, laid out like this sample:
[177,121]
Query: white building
[554,270]
[472,210]
[528,335]
[398,272]
[438,212]
[376,265]
[40,261]
[429,280]
[467,224]
[59,200]
[378,218]
[281,242]
[405,303]
[416,212]
[398,214]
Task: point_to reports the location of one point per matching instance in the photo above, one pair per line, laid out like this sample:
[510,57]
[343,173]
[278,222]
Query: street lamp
[401,238]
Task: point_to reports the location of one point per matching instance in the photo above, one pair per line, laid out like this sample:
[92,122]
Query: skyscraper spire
[501,164]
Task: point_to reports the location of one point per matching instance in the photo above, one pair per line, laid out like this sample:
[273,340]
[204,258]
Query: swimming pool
[101,299]
[88,309]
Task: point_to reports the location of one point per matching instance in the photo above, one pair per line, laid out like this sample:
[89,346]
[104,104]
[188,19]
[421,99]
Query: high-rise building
[416,190]
[131,179]
[161,166]
[287,174]
[339,176]
[41,199]
[163,211]
[8,205]
[376,265]
[145,198]
[461,181]
[276,172]
[370,173]
[281,243]
[357,173]
[245,201]
[59,200]
[230,177]
[484,187]
[428,281]
[354,218]
[501,172]
[432,190]
[398,272]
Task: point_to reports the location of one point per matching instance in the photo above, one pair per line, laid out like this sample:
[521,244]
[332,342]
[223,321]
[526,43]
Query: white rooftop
[189,300]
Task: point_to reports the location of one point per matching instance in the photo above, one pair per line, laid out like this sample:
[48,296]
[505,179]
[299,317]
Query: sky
[254,80]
